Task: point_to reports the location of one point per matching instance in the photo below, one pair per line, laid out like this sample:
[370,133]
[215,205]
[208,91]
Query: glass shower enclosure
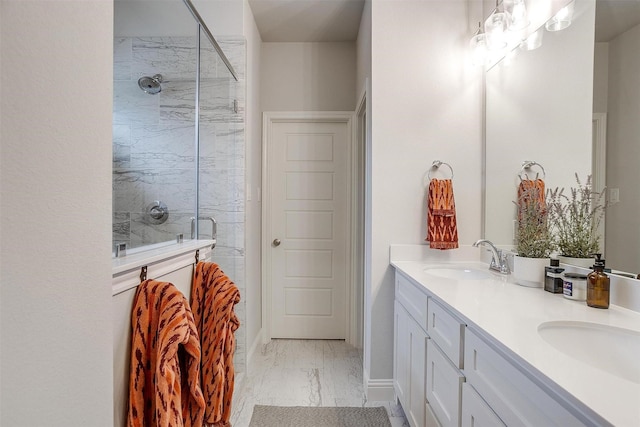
[177,122]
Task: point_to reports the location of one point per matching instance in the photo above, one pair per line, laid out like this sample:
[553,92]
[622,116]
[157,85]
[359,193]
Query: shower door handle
[214,228]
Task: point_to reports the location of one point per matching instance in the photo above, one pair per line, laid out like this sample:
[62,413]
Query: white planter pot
[579,262]
[529,271]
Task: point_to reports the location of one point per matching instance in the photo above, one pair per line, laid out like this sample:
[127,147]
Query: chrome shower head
[151,85]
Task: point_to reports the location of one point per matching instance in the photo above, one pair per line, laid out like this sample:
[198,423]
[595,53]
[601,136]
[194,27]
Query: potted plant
[574,219]
[534,239]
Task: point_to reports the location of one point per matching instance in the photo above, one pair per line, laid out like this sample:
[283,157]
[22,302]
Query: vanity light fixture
[478,45]
[562,19]
[495,27]
[518,17]
[534,41]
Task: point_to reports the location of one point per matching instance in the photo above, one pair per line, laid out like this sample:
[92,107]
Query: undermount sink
[458,273]
[614,350]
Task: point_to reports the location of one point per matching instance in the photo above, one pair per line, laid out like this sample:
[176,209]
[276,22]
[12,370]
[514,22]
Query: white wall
[223,17]
[623,151]
[253,205]
[426,106]
[55,212]
[600,77]
[152,17]
[363,50]
[363,79]
[308,76]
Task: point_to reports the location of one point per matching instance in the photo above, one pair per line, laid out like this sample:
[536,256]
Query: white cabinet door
[475,411]
[444,383]
[417,364]
[409,366]
[401,354]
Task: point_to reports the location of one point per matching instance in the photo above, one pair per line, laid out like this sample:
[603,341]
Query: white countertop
[511,314]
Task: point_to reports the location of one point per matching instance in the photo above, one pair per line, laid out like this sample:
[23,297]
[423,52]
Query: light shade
[518,16]
[478,45]
[534,41]
[562,19]
[495,27]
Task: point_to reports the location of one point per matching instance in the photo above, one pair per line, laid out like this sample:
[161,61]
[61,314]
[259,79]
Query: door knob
[276,242]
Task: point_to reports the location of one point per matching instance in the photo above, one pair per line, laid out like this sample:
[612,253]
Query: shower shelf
[159,261]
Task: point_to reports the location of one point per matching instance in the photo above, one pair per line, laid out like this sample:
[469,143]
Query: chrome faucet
[498,258]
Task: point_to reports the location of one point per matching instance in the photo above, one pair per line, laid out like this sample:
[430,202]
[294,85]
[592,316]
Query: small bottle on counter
[598,284]
[553,277]
[574,286]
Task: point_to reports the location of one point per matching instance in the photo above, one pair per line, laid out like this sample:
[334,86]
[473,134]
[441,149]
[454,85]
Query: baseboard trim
[379,390]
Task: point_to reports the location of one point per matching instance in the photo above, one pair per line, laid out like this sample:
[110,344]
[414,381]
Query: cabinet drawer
[444,384]
[513,396]
[412,299]
[447,331]
[475,411]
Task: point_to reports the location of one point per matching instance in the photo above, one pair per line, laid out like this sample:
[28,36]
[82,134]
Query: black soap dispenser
[553,277]
[598,285]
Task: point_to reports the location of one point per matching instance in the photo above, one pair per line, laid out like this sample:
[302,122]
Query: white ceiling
[307,20]
[614,17]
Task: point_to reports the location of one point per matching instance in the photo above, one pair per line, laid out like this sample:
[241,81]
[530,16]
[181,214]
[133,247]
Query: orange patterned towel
[531,190]
[213,296]
[164,376]
[442,227]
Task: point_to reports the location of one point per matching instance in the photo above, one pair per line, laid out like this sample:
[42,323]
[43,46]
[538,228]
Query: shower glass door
[154,122]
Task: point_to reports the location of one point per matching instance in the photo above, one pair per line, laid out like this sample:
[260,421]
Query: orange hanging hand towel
[442,228]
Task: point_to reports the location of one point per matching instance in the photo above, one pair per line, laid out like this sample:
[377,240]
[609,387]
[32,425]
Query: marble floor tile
[305,373]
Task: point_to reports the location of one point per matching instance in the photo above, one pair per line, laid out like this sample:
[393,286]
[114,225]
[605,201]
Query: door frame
[268,119]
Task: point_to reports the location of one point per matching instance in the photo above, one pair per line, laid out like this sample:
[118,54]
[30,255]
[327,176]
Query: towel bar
[436,164]
[214,228]
[528,164]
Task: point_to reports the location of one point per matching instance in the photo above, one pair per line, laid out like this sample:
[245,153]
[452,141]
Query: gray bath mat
[305,416]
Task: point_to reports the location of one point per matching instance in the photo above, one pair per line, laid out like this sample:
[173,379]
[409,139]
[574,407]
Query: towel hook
[528,164]
[436,164]
[143,273]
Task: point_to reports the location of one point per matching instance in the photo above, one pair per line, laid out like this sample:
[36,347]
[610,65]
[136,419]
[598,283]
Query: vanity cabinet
[475,411]
[505,388]
[427,376]
[444,361]
[410,356]
[409,366]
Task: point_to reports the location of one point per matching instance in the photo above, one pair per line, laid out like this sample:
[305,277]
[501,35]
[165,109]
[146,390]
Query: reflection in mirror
[616,103]
[538,108]
[528,118]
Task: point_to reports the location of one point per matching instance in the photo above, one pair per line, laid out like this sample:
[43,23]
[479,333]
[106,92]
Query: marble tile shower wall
[154,148]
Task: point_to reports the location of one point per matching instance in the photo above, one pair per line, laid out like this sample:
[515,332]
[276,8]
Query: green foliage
[575,218]
[534,239]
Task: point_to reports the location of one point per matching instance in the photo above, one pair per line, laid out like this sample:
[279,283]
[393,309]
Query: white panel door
[308,190]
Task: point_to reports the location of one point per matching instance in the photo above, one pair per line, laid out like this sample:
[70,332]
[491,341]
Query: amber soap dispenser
[598,285]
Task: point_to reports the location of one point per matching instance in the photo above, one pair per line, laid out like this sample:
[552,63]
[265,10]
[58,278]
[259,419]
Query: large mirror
[572,107]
